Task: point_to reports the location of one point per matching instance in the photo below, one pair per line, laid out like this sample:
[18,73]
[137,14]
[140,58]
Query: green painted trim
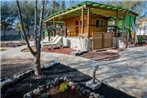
[89,3]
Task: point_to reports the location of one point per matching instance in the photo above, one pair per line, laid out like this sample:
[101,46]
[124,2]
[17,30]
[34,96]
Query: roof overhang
[95,8]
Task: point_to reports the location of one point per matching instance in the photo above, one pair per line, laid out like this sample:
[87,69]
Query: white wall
[142,29]
[77,43]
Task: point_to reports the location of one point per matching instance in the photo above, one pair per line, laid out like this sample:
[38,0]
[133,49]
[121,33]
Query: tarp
[120,24]
[131,27]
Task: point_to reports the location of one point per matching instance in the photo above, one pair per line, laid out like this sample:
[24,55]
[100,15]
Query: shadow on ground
[17,90]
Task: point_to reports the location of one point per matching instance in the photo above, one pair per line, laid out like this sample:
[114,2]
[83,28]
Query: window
[99,23]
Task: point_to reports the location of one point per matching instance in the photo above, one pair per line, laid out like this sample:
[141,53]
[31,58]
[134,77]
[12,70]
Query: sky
[68,4]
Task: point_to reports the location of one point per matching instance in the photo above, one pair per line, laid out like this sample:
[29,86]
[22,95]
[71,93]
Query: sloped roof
[96,8]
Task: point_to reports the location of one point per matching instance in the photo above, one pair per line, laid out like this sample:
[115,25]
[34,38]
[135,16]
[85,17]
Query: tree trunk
[35,24]
[38,38]
[37,68]
[28,32]
[4,33]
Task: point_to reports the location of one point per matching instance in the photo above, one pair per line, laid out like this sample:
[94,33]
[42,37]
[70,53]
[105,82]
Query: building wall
[142,29]
[71,24]
[93,27]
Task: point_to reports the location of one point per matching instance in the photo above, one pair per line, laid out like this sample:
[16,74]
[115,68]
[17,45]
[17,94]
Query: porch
[100,24]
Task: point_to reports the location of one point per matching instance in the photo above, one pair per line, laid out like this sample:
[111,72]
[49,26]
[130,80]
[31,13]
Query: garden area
[73,49]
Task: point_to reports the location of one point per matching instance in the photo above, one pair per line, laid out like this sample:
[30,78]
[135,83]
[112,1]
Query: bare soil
[9,67]
[11,44]
[29,83]
[69,93]
[64,50]
[54,92]
[102,55]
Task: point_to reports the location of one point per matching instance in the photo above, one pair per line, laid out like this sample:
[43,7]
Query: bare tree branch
[23,29]
[35,24]
[41,19]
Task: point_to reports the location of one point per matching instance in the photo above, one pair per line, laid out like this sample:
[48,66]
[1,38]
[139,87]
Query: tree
[19,29]
[28,14]
[136,5]
[62,5]
[53,6]
[36,53]
[8,17]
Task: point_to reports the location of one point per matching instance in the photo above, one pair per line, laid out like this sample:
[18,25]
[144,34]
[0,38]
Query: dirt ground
[102,55]
[64,50]
[9,67]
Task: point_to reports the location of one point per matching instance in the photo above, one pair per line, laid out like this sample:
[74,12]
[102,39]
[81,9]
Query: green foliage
[140,39]
[136,5]
[53,6]
[63,87]
[28,13]
[8,15]
[18,27]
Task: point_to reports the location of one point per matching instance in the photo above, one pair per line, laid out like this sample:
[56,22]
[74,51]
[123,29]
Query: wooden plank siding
[101,40]
[92,25]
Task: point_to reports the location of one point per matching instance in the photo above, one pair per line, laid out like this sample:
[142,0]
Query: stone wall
[77,43]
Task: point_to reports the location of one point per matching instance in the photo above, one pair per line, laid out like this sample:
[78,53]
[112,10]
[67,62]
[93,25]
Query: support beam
[82,20]
[88,22]
[54,25]
[116,25]
[43,34]
[65,29]
[126,34]
[64,13]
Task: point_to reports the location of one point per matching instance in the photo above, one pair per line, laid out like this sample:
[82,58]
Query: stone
[45,95]
[81,89]
[65,78]
[87,91]
[101,96]
[56,80]
[42,87]
[61,78]
[51,86]
[78,87]
[92,93]
[92,85]
[36,91]
[73,87]
[27,95]
[91,96]
[70,83]
[6,82]
[96,95]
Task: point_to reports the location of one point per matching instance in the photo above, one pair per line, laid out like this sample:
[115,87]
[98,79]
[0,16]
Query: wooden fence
[101,40]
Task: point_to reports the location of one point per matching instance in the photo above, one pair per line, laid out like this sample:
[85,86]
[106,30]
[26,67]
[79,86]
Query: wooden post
[45,25]
[126,39]
[88,22]
[54,25]
[82,20]
[65,24]
[116,24]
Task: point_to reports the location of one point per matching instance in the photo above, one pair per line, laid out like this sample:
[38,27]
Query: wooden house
[90,20]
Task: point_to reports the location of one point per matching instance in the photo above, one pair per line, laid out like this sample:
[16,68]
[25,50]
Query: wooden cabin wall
[70,22]
[93,27]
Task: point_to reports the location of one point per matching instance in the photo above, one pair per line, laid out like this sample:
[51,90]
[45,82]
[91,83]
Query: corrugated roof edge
[87,3]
